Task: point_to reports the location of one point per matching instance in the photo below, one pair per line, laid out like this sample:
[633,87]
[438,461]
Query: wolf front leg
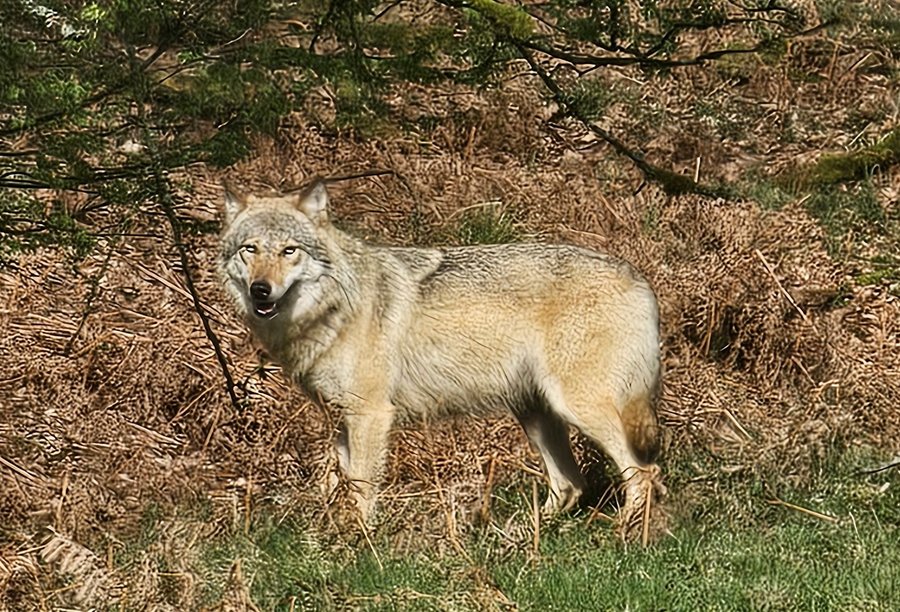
[362,447]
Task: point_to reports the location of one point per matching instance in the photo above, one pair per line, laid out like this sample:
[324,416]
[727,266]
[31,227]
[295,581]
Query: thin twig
[781,288]
[893,463]
[321,26]
[671,182]
[449,517]
[365,532]
[536,511]
[813,513]
[348,177]
[92,295]
[248,500]
[24,473]
[485,510]
[645,532]
[165,201]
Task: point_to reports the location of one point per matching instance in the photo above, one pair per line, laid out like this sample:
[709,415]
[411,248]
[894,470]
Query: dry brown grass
[113,407]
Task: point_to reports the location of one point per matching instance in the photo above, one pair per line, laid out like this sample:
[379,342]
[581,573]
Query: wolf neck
[300,339]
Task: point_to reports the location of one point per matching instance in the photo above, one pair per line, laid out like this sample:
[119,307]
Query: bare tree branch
[671,182]
[167,205]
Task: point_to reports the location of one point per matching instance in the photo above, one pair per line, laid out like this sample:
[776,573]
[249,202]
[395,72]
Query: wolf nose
[260,290]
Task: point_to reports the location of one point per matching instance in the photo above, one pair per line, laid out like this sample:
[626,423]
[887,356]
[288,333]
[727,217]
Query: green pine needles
[98,97]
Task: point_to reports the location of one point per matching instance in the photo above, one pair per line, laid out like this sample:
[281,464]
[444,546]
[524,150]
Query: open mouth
[265,310]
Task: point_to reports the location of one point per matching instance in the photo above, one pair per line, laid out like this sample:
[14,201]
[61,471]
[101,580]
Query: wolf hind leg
[550,436]
[599,419]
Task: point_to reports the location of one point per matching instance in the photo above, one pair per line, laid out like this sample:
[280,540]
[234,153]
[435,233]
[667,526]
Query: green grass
[885,271]
[731,548]
[851,214]
[797,565]
[490,224]
[766,192]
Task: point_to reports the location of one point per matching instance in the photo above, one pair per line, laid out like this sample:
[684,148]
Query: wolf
[559,336]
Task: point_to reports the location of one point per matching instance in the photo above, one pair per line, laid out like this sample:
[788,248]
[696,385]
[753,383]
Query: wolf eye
[287,252]
[248,248]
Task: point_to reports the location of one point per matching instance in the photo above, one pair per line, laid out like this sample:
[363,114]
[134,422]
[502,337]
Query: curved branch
[671,182]
[165,202]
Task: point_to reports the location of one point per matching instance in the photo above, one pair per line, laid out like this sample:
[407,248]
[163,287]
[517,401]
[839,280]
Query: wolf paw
[643,518]
[560,501]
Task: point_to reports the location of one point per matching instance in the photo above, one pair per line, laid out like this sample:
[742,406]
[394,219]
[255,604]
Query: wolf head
[274,256]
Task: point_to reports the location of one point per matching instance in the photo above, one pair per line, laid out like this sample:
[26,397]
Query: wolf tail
[642,427]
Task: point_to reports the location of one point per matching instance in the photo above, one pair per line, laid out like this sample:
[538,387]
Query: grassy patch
[491,224]
[766,193]
[834,168]
[799,564]
[283,564]
[731,549]
[848,214]
[885,271]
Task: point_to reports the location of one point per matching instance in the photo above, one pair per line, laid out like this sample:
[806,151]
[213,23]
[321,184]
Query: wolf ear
[314,202]
[235,202]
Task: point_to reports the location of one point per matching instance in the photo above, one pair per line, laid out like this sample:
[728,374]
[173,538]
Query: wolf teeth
[264,309]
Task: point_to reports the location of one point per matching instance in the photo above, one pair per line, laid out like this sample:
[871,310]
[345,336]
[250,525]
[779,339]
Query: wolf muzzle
[259,293]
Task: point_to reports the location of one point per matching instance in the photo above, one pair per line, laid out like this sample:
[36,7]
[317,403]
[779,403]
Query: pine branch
[634,60]
[647,61]
[86,103]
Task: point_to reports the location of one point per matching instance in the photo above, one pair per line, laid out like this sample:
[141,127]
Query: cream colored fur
[558,335]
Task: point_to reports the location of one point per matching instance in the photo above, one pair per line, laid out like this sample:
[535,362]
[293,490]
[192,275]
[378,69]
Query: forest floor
[130,481]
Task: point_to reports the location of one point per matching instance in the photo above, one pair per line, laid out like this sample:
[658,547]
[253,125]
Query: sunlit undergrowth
[737,545]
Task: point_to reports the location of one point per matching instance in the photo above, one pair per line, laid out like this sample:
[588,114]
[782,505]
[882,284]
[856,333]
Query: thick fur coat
[558,335]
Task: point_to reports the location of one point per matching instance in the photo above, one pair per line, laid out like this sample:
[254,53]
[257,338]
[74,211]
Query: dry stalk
[15,467]
[62,500]
[485,511]
[165,201]
[240,585]
[597,513]
[365,532]
[449,517]
[771,271]
[366,174]
[736,423]
[645,532]
[247,503]
[813,513]
[536,520]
